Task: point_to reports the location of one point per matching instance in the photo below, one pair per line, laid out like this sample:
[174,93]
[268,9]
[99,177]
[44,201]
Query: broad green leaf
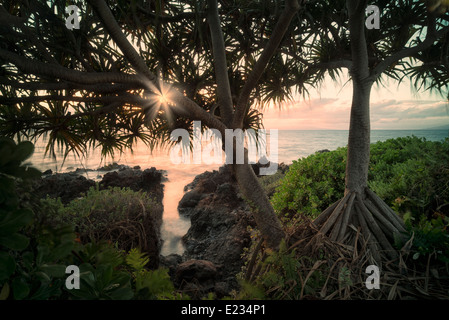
[6,150]
[47,291]
[122,293]
[14,221]
[28,259]
[42,276]
[4,293]
[42,253]
[61,251]
[15,241]
[54,270]
[23,172]
[7,266]
[8,198]
[20,288]
[23,151]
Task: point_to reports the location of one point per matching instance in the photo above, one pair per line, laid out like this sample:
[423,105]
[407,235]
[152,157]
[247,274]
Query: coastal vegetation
[137,70]
[100,232]
[408,173]
[126,218]
[411,175]
[39,238]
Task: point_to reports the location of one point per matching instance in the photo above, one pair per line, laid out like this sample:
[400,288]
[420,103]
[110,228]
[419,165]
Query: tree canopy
[50,73]
[86,87]
[135,70]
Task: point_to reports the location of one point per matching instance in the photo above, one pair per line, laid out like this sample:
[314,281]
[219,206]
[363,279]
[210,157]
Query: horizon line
[324,129]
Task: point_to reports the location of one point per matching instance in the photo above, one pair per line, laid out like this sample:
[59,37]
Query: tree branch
[109,21]
[53,71]
[193,111]
[220,62]
[359,51]
[55,97]
[189,108]
[48,86]
[9,19]
[29,36]
[407,52]
[336,64]
[279,31]
[96,88]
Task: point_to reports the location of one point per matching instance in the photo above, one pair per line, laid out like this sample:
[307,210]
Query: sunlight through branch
[159,99]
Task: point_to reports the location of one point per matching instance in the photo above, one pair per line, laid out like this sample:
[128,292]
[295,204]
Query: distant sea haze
[295,144]
[292,145]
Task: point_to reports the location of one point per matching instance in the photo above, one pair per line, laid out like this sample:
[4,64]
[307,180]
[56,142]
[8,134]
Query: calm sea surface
[292,145]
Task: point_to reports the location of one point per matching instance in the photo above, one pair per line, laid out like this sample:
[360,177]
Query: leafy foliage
[285,276]
[410,174]
[101,274]
[30,263]
[38,242]
[430,238]
[171,38]
[150,284]
[109,273]
[122,216]
[311,184]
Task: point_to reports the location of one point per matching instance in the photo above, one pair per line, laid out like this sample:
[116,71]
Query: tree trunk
[359,128]
[360,207]
[359,139]
[263,213]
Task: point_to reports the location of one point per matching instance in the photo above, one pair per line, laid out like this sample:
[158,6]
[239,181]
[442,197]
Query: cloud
[409,114]
[326,113]
[392,106]
[333,114]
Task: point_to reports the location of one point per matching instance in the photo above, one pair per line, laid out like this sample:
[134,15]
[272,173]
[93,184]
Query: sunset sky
[392,108]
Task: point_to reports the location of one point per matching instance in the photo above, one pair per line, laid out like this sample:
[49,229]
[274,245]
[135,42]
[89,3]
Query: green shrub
[38,242]
[123,216]
[32,257]
[430,238]
[410,174]
[311,184]
[150,284]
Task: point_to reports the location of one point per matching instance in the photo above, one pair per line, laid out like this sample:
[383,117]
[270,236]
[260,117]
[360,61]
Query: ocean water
[295,144]
[292,145]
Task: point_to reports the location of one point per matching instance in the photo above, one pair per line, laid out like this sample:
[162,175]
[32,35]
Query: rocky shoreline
[70,185]
[217,237]
[220,221]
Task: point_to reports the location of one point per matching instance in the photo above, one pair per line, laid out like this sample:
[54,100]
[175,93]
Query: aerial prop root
[378,223]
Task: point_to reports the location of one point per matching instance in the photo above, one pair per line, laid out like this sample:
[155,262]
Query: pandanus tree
[134,70]
[410,43]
